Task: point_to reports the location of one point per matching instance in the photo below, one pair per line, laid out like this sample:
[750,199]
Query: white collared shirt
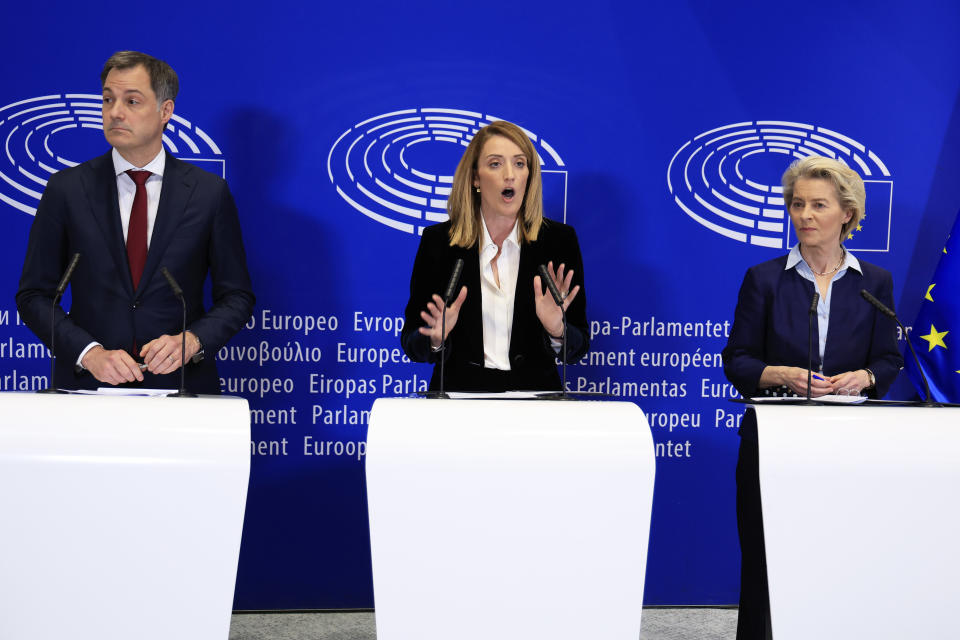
[497,301]
[127,188]
[795,260]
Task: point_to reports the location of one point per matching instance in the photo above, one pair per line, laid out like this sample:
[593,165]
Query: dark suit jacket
[532,359]
[771,322]
[196,231]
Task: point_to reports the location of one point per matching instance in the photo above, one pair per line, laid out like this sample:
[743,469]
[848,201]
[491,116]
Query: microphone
[545,276]
[454,280]
[885,310]
[813,312]
[64,281]
[447,296]
[882,308]
[68,274]
[558,298]
[178,292]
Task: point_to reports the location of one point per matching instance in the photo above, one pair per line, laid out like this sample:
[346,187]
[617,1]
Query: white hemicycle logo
[377,165]
[39,136]
[711,181]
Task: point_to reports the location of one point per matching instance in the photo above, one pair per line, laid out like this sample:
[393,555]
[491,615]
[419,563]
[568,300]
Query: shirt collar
[794,258]
[512,238]
[155,166]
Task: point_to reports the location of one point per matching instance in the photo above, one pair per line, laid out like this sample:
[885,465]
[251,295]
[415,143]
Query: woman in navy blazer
[854,345]
[503,328]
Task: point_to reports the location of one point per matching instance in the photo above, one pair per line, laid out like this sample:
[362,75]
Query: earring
[478,189]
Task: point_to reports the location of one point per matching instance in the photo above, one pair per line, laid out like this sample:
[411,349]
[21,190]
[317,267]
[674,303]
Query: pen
[816,377]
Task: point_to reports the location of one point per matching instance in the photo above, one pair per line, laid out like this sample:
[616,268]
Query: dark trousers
[753,622]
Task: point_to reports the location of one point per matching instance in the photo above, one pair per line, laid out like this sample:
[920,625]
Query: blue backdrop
[662,129]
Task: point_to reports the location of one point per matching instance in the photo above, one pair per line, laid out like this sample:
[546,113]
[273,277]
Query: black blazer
[771,322]
[532,359]
[196,231]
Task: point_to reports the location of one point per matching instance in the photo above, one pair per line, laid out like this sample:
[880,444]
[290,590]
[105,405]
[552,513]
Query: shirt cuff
[555,343]
[84,352]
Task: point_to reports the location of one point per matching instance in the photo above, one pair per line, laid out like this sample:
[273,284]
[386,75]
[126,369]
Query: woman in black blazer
[503,327]
[854,345]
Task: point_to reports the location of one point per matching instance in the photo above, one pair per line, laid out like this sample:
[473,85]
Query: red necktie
[137,230]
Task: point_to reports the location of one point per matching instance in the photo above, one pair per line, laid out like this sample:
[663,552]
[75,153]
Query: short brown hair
[463,205]
[848,183]
[163,79]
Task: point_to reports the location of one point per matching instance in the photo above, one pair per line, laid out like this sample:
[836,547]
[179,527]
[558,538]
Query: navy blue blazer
[532,358]
[771,322]
[196,231]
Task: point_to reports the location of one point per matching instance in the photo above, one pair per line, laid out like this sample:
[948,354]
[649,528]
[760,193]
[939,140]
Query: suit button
[135,304]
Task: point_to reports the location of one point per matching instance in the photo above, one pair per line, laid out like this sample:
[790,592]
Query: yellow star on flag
[929,289]
[935,338]
[859,228]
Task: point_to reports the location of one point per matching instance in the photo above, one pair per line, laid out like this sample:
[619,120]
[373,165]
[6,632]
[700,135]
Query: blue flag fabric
[936,333]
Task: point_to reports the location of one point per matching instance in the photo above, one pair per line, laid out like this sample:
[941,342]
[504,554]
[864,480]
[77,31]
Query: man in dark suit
[130,213]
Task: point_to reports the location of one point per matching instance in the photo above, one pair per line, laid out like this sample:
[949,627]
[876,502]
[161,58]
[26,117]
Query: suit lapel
[177,188]
[100,188]
[523,303]
[472,318]
[843,296]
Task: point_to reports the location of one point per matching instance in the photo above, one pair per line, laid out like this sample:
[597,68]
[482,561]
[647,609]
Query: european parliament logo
[43,135]
[728,180]
[397,168]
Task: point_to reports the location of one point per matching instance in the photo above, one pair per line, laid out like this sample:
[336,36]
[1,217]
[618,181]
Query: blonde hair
[848,183]
[463,205]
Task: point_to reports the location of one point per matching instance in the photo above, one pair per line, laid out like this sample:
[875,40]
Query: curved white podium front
[861,521]
[122,516]
[508,518]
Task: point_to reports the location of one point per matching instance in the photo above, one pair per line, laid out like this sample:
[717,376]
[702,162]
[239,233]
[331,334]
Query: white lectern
[861,521]
[121,516]
[508,518]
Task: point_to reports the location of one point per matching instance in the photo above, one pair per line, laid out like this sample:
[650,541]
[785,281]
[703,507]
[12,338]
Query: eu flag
[936,333]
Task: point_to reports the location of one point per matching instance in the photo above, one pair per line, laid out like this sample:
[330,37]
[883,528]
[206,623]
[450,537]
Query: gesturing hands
[547,310]
[434,320]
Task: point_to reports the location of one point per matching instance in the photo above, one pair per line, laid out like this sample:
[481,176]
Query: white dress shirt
[127,188]
[795,260]
[497,301]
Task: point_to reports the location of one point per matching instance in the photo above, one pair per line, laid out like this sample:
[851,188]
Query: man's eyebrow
[108,89]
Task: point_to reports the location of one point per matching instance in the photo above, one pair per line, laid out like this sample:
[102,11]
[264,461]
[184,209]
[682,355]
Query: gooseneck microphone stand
[178,292]
[447,296]
[882,308]
[813,311]
[558,298]
[51,388]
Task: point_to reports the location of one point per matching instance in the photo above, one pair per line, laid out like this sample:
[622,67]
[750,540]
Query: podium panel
[122,516]
[861,521]
[508,518]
